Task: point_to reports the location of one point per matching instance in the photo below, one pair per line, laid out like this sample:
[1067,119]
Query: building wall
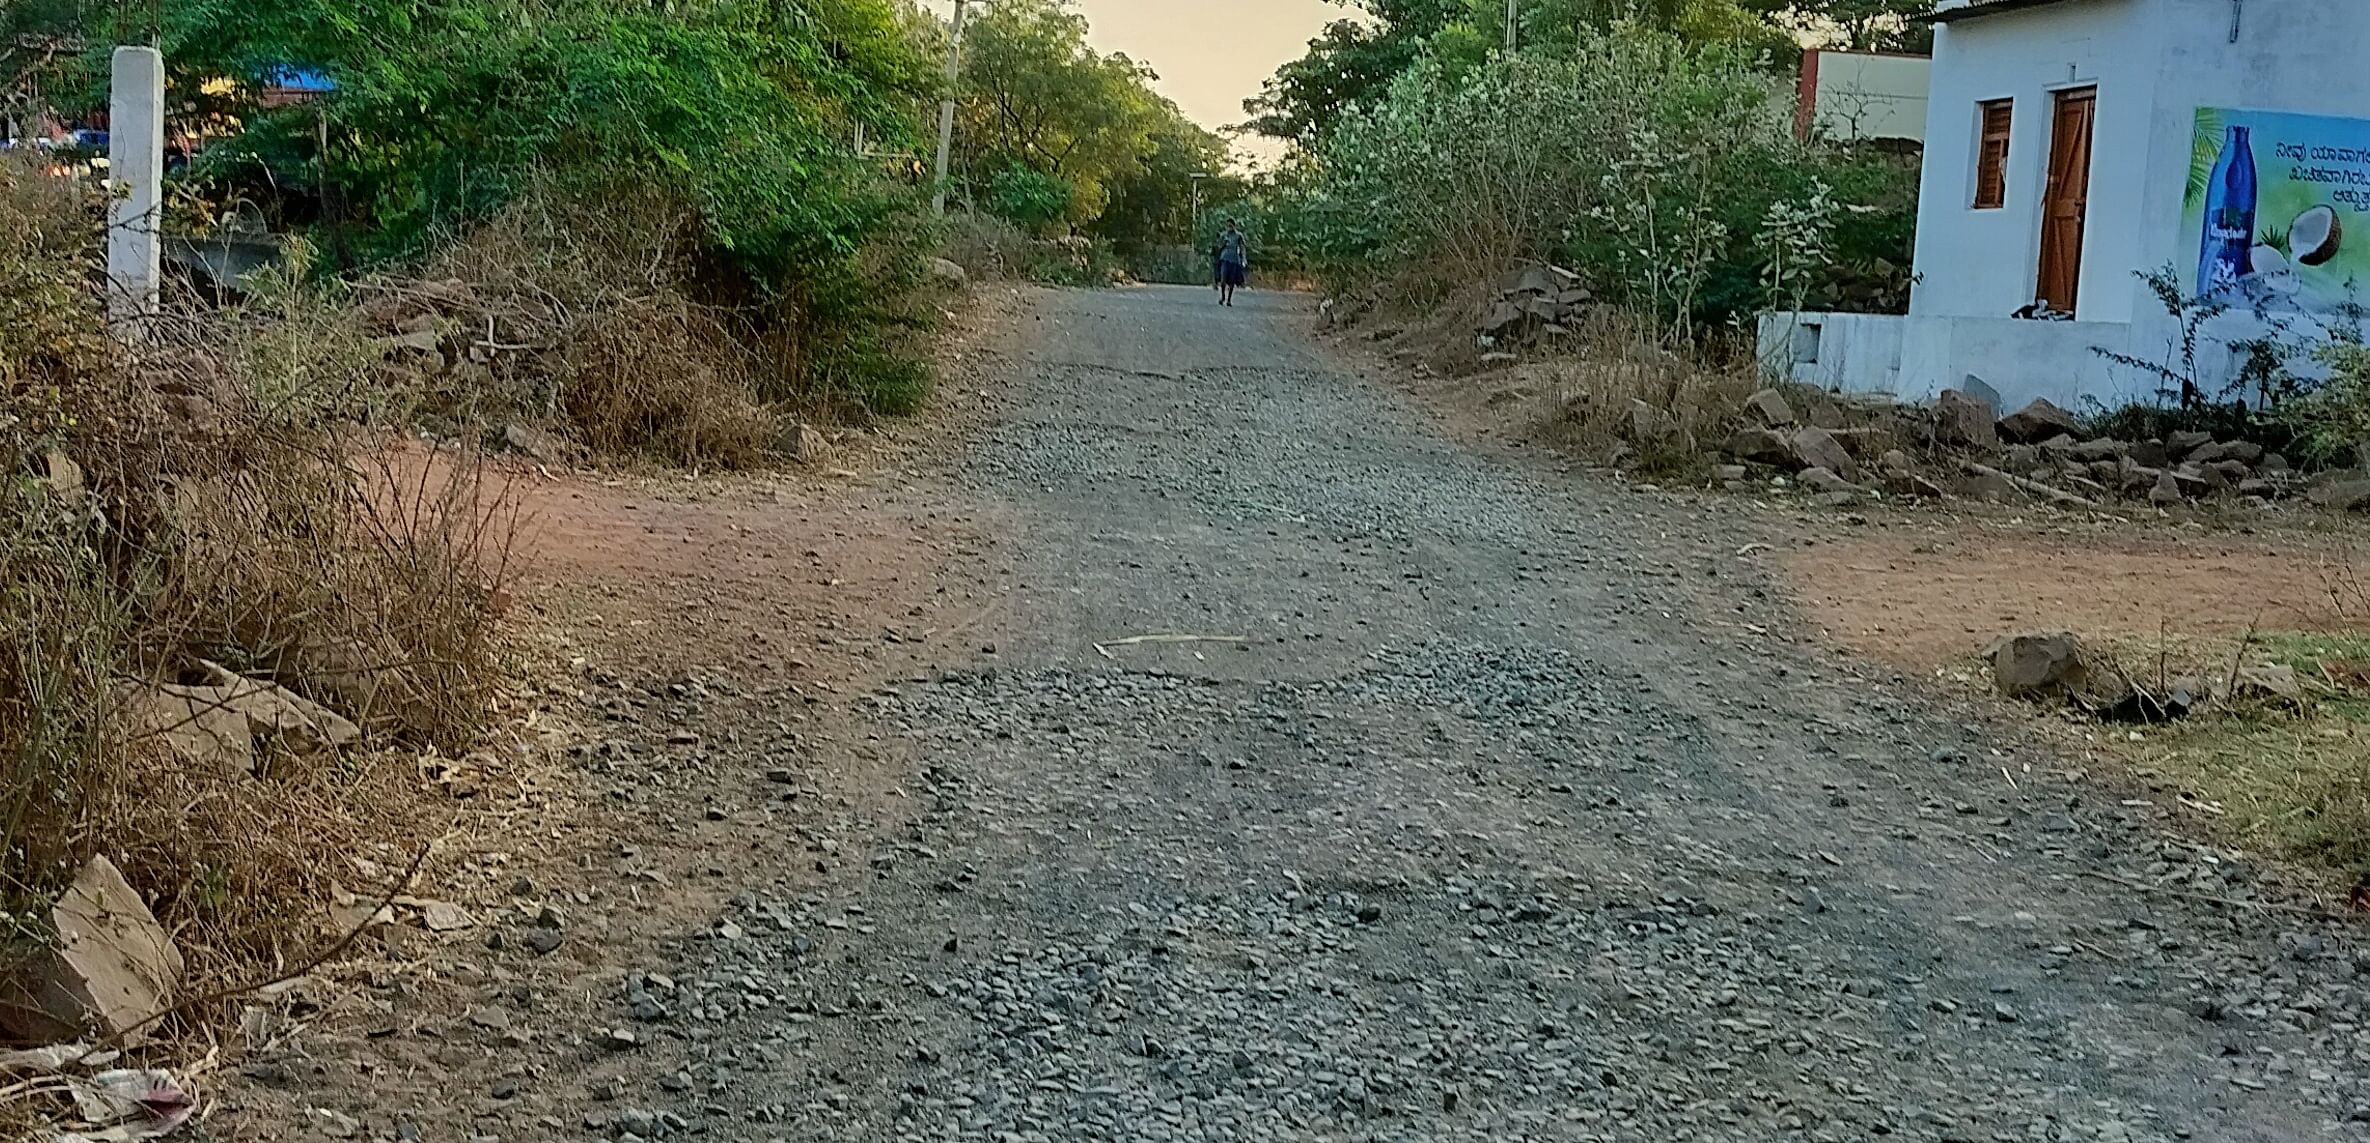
[1859,95]
[2304,56]
[1986,263]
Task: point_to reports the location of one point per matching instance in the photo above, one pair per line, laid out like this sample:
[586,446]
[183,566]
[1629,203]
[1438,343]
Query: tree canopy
[1051,131]
[1353,63]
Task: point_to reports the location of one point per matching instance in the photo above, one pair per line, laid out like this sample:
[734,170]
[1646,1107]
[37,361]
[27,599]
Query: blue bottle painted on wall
[2228,245]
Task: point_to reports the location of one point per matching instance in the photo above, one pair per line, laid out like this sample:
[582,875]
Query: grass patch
[2280,778]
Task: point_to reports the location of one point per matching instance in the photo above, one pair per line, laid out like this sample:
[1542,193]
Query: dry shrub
[1606,367]
[987,247]
[210,499]
[594,314]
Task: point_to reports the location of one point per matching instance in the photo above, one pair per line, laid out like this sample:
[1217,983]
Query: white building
[1858,96]
[2074,145]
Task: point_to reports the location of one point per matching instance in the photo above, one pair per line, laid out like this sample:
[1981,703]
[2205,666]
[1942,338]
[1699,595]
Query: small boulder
[1501,319]
[2091,452]
[2151,453]
[2178,446]
[2341,495]
[949,273]
[111,966]
[1762,446]
[2167,491]
[1815,447]
[1725,473]
[1822,480]
[2038,421]
[1962,421]
[534,443]
[1646,424]
[2039,665]
[2059,447]
[1769,407]
[807,444]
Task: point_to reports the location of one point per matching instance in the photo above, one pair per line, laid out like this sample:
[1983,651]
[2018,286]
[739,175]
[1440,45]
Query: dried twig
[2055,495]
[2238,658]
[1136,640]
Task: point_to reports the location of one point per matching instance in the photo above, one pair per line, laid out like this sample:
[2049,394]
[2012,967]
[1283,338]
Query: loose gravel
[1484,805]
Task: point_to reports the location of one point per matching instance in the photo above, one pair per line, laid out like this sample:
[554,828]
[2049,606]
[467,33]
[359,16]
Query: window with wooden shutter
[1991,158]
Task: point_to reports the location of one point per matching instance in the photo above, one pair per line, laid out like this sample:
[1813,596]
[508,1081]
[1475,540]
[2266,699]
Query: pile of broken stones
[1534,303]
[1967,448]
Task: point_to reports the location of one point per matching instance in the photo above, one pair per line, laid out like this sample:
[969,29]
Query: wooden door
[2067,200]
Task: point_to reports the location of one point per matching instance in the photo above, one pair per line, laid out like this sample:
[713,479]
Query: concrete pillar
[136,171]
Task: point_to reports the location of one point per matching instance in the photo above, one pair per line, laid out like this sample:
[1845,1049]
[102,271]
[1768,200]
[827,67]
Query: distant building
[2073,146]
[1863,96]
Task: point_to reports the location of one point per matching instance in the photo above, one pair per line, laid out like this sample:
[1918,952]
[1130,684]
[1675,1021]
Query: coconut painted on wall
[2272,200]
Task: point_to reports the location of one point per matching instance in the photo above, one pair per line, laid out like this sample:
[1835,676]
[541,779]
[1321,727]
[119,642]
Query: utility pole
[1512,16]
[946,108]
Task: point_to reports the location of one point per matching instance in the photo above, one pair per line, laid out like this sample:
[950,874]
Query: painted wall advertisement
[2279,206]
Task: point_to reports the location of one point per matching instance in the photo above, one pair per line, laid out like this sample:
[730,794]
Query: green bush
[1649,163]
[448,111]
[2332,421]
[1029,199]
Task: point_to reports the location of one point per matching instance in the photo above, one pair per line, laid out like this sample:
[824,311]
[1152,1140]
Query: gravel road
[1482,804]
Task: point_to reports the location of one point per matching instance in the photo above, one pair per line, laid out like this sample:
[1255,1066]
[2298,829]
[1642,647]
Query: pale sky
[1211,54]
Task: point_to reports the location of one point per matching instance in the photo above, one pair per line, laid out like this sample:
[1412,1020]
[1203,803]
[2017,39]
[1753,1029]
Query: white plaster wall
[1856,353]
[2022,360]
[1864,96]
[1986,263]
[2311,57]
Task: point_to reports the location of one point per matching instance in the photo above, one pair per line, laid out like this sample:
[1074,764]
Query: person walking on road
[1234,262]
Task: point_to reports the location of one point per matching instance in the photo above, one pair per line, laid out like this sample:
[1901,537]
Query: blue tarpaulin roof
[300,79]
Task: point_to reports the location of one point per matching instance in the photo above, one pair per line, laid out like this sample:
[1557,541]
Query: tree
[1852,25]
[1153,204]
[1351,64]
[1036,96]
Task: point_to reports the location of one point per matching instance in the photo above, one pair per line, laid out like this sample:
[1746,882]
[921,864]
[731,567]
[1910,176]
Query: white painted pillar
[136,171]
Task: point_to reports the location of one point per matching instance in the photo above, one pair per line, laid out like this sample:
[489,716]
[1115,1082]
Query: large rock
[2341,494]
[2038,422]
[2151,454]
[2178,446]
[2167,490]
[1769,407]
[1532,278]
[111,965]
[1762,446]
[1962,421]
[2040,665]
[220,724]
[1815,447]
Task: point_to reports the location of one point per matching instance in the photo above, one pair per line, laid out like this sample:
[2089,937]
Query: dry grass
[591,316]
[986,247]
[2289,778]
[1609,368]
[217,497]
